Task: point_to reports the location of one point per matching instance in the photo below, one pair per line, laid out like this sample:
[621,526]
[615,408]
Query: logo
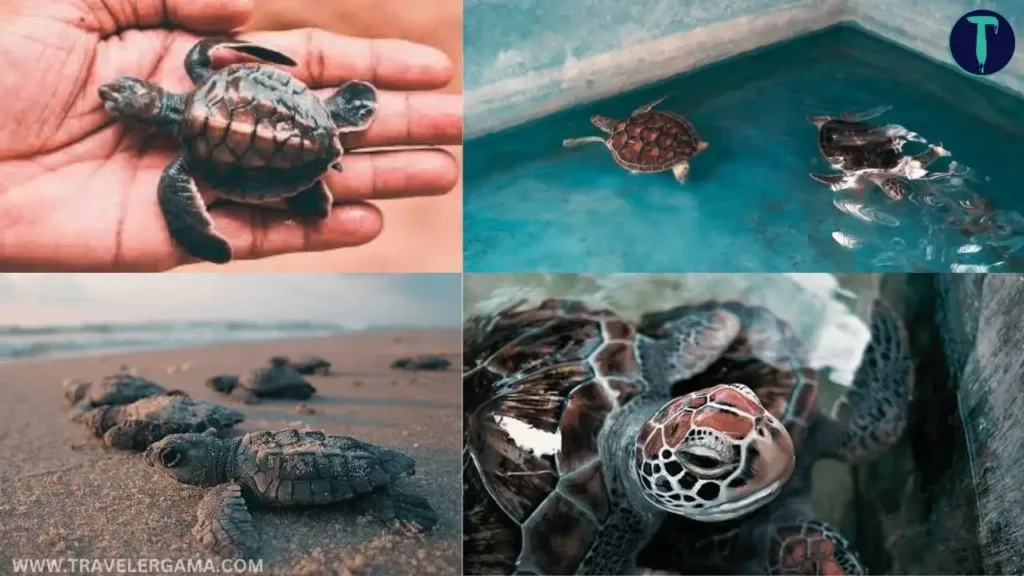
[982,42]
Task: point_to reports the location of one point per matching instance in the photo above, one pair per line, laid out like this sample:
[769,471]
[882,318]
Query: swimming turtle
[253,132]
[284,468]
[648,141]
[874,153]
[137,425]
[575,450]
[785,537]
[114,390]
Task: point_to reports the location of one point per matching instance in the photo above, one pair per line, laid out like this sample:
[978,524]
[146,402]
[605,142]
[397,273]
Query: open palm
[78,190]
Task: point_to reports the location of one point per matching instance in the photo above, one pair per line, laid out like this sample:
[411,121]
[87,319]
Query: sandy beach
[67,496]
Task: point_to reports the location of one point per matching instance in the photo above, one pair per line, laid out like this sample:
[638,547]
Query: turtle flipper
[198,63]
[830,179]
[188,222]
[891,185]
[865,115]
[354,106]
[810,548]
[137,435]
[313,202]
[872,415]
[649,106]
[688,345]
[572,142]
[394,505]
[225,525]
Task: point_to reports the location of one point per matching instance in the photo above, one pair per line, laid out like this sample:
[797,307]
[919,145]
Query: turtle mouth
[737,508]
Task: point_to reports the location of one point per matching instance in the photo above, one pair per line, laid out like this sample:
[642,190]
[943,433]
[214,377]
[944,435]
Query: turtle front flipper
[137,435]
[649,106]
[188,222]
[830,179]
[225,525]
[354,106]
[572,142]
[865,115]
[198,63]
[872,415]
[397,506]
[810,548]
[313,202]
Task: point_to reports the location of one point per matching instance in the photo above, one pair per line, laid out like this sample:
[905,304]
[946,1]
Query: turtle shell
[540,384]
[280,382]
[122,389]
[653,141]
[192,414]
[257,131]
[870,153]
[305,467]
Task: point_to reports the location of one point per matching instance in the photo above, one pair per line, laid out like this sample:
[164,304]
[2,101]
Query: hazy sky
[351,299]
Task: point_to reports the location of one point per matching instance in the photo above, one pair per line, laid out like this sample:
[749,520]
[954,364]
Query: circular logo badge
[982,42]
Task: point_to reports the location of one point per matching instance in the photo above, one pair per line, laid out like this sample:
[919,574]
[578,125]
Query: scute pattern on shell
[293,467]
[653,141]
[254,116]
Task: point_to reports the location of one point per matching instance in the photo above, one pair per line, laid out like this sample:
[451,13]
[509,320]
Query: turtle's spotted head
[140,103]
[194,459]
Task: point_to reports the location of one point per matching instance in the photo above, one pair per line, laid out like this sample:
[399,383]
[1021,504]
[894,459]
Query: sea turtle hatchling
[577,448]
[137,425]
[278,380]
[253,132]
[114,390]
[284,468]
[873,153]
[785,537]
[311,366]
[648,141]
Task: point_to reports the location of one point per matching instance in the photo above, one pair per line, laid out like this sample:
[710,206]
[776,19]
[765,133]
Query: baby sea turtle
[113,390]
[873,153]
[428,362]
[576,450]
[785,537]
[648,141]
[231,385]
[137,425]
[312,366]
[254,133]
[278,380]
[284,468]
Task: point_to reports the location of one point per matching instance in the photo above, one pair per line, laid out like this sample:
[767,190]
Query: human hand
[78,191]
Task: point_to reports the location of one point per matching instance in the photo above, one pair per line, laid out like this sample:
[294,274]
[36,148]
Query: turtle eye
[171,458]
[703,461]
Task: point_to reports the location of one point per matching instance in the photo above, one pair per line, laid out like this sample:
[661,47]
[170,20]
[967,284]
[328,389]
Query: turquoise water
[749,205]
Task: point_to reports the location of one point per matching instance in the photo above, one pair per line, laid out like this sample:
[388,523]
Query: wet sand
[67,496]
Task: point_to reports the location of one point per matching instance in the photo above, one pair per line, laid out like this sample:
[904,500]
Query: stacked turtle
[864,152]
[583,434]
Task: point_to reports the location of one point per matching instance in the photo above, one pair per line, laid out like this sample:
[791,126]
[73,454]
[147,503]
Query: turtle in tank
[648,141]
[579,445]
[865,152]
[252,132]
[285,468]
[785,536]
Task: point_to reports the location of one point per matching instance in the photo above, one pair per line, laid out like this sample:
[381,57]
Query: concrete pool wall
[528,58]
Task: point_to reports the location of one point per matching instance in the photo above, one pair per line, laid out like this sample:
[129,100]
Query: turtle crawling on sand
[312,366]
[648,141]
[864,152]
[253,132]
[113,390]
[278,380]
[429,362]
[137,425]
[284,468]
[579,445]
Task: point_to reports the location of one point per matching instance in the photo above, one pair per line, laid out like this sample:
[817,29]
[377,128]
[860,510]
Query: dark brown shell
[869,154]
[560,368]
[653,141]
[258,121]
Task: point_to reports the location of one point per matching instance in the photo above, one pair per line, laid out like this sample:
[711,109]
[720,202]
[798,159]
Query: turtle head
[100,419]
[139,102]
[75,390]
[818,121]
[713,455]
[194,459]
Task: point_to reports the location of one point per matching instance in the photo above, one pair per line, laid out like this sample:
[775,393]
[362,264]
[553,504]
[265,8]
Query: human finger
[399,174]
[109,18]
[326,59]
[411,119]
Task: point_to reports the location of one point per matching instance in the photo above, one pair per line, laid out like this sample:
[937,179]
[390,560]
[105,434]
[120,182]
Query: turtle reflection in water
[254,133]
[648,141]
[864,152]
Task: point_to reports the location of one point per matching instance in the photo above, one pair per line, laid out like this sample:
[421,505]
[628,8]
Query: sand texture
[67,496]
